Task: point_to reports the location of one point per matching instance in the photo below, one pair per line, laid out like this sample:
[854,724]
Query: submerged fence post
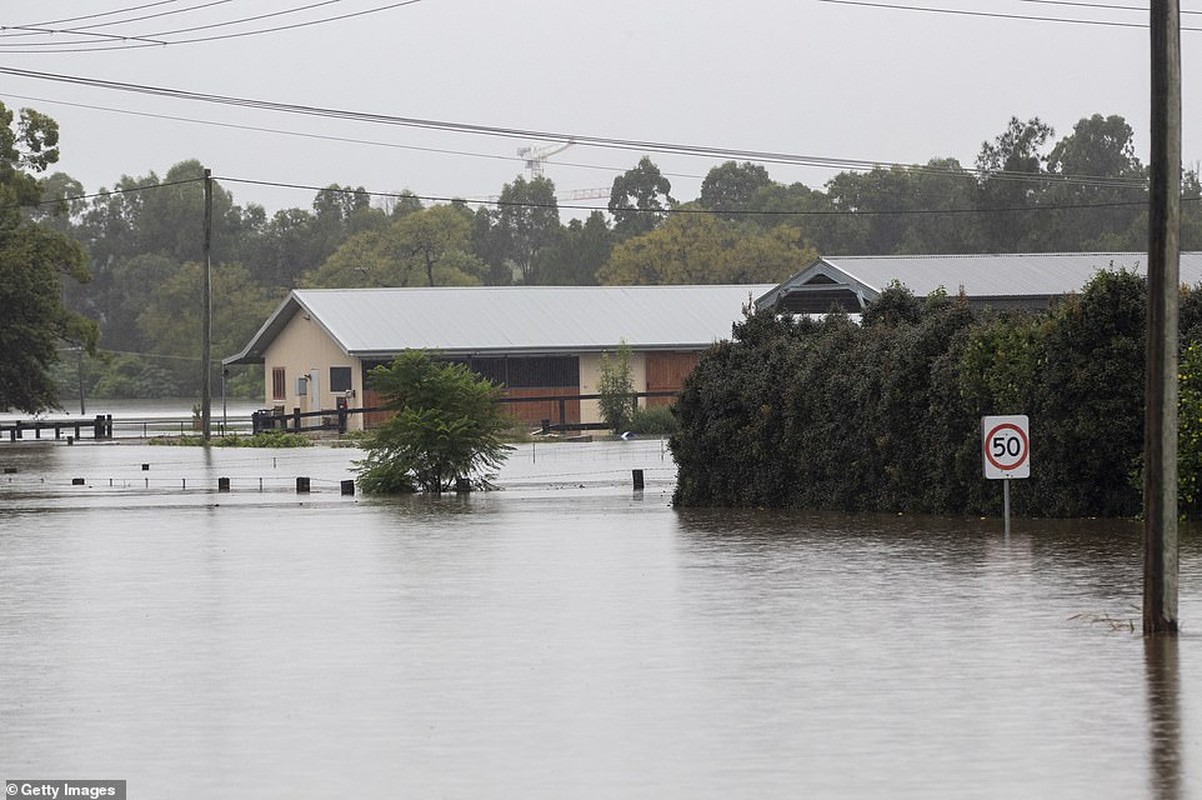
[637,476]
[302,485]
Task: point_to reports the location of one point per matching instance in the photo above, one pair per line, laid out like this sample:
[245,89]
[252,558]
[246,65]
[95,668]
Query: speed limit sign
[1006,446]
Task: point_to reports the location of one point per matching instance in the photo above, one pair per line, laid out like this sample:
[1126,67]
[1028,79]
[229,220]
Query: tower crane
[536,157]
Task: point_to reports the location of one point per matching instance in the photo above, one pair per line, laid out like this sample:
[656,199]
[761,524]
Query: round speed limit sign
[1006,446]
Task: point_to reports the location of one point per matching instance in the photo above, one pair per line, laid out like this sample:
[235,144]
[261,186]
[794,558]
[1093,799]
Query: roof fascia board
[843,280]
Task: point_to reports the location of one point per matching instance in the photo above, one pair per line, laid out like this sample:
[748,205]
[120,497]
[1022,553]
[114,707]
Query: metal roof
[1014,275]
[512,319]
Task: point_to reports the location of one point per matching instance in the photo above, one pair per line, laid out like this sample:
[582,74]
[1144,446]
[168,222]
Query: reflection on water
[566,637]
[1164,717]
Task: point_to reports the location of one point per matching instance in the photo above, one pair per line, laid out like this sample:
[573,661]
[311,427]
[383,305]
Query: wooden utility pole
[206,348]
[1164,228]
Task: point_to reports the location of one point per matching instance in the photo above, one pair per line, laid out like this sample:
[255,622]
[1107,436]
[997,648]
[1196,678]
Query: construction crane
[537,156]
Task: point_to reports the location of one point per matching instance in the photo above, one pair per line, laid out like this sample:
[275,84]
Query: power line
[323,137]
[612,143]
[1102,6]
[694,209]
[687,209]
[106,13]
[43,28]
[995,14]
[69,48]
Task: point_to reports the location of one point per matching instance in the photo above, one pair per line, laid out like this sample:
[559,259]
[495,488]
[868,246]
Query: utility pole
[206,348]
[1164,246]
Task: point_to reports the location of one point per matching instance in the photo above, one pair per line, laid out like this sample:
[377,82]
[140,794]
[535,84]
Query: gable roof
[379,323]
[1003,280]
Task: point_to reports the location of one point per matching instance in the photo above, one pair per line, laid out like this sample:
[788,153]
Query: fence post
[296,419]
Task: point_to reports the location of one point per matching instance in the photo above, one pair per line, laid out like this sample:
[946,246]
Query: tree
[700,248]
[1013,178]
[728,189]
[1103,183]
[524,222]
[33,260]
[639,199]
[577,252]
[447,428]
[616,388]
[430,247]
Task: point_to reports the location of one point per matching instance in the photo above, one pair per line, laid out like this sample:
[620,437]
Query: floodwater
[565,637]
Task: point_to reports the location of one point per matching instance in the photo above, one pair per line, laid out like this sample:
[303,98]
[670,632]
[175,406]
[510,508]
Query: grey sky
[795,76]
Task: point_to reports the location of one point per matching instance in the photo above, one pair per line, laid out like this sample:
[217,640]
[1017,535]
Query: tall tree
[423,248]
[524,222]
[1013,179]
[640,199]
[1100,183]
[33,261]
[729,188]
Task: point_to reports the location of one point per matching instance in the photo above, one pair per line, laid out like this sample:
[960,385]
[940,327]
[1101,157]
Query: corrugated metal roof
[514,319]
[1000,275]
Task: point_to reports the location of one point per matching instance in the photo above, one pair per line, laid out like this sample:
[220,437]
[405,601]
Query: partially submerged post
[1160,421]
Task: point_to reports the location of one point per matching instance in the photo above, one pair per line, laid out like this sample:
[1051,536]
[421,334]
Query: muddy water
[565,637]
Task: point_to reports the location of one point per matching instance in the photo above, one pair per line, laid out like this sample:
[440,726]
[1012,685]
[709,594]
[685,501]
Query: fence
[337,419]
[105,427]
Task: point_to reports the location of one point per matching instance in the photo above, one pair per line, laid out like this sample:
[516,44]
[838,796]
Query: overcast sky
[830,80]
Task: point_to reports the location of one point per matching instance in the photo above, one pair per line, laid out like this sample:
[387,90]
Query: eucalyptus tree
[639,199]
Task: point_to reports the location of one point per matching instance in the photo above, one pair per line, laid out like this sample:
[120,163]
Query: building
[544,344]
[1031,280]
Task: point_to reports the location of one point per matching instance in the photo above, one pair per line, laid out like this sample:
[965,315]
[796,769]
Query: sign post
[1006,453]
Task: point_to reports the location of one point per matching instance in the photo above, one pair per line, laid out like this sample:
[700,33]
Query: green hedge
[884,414]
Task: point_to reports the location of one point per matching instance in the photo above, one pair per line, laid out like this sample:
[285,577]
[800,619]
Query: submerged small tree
[447,428]
[616,388]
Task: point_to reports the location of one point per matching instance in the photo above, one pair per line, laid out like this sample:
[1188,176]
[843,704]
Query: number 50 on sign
[1006,446]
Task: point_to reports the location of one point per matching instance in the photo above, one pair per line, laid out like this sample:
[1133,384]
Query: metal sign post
[1006,453]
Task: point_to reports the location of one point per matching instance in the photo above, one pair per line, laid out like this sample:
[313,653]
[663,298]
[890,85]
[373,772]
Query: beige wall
[590,380]
[303,348]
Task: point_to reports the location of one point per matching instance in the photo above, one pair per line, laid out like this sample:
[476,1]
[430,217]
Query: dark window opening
[340,379]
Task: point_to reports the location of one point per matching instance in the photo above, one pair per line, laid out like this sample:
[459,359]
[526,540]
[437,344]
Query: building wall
[301,349]
[666,373]
[590,381]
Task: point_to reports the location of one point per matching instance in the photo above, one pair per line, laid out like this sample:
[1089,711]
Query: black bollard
[348,488]
[302,485]
[637,475]
[223,484]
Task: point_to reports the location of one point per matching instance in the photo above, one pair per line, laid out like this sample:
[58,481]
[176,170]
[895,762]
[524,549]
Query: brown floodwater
[565,637]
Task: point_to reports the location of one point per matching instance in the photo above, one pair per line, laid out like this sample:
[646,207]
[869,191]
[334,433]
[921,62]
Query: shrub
[448,427]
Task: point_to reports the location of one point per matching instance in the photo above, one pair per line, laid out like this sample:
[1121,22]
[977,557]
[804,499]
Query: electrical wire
[69,47]
[1101,6]
[41,28]
[100,14]
[996,15]
[611,143]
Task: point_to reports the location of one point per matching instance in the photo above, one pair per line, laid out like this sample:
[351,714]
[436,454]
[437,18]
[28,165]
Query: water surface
[565,637]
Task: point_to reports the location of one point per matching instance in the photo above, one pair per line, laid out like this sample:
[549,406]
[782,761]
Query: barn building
[541,343]
[545,344]
[1031,281]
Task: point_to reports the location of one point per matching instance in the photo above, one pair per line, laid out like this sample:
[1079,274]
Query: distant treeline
[885,415]
[143,237]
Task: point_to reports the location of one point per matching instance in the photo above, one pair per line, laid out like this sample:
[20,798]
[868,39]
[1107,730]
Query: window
[340,379]
[279,387]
